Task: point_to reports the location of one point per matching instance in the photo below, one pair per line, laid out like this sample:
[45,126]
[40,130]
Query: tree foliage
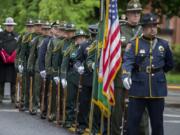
[80,12]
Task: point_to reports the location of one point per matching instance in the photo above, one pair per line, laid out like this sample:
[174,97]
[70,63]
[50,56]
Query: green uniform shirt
[128,33]
[54,56]
[33,56]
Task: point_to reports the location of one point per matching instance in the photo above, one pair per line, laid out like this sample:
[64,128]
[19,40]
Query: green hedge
[173,78]
[176,56]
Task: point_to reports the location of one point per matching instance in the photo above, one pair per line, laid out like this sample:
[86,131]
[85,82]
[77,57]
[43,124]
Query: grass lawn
[173,78]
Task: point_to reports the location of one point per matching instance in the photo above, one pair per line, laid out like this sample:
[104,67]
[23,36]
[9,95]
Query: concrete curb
[172,105]
[174,87]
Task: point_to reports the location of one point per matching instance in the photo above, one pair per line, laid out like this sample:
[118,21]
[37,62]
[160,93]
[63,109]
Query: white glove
[64,82]
[127,82]
[43,74]
[81,70]
[20,68]
[93,66]
[56,79]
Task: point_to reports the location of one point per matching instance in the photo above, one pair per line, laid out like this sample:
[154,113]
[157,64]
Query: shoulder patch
[128,47]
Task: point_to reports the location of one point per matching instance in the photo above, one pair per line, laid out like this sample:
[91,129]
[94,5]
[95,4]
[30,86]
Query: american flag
[110,60]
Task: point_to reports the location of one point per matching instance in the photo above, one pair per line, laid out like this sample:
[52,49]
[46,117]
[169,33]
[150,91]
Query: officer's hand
[20,68]
[93,66]
[56,79]
[64,82]
[127,82]
[81,70]
[43,74]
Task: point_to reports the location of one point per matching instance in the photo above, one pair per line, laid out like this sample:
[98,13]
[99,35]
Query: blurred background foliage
[80,12]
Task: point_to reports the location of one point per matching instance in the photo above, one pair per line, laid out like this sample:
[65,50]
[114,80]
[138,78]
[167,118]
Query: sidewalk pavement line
[9,110]
[172,121]
[172,115]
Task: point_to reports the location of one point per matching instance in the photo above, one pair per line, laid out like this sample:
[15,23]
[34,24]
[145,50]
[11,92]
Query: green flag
[98,97]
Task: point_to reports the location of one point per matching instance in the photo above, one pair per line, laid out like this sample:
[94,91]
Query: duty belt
[148,69]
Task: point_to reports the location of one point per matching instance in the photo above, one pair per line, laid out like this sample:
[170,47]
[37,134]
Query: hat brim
[36,24]
[68,29]
[29,25]
[10,24]
[61,28]
[134,9]
[151,23]
[93,32]
[46,27]
[80,36]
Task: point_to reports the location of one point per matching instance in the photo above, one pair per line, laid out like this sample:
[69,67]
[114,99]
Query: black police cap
[148,19]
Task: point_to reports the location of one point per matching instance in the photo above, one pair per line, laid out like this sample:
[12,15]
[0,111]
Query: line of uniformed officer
[58,54]
[55,53]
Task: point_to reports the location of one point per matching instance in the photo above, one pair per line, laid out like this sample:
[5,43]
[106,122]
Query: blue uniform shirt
[42,53]
[146,64]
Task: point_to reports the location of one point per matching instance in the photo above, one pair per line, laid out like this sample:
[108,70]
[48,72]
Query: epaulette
[122,22]
[92,47]
[26,38]
[58,47]
[67,51]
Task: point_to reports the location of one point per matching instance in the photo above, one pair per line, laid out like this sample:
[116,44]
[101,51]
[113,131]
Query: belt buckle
[148,69]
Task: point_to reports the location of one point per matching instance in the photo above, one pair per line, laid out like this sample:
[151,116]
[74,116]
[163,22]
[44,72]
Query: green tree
[80,12]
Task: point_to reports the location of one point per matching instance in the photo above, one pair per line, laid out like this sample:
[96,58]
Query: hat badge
[151,18]
[72,25]
[81,32]
[135,5]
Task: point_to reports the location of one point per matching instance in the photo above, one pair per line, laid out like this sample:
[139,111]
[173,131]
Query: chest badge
[161,48]
[142,52]
[73,55]
[123,38]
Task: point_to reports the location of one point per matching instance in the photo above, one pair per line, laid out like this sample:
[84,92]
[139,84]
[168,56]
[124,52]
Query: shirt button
[152,74]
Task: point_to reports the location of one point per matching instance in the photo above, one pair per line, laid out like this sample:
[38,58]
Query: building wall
[172,24]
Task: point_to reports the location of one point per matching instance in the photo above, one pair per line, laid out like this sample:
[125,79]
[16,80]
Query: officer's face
[80,40]
[30,29]
[63,33]
[133,17]
[38,28]
[150,30]
[10,28]
[60,33]
[70,34]
[46,32]
[54,30]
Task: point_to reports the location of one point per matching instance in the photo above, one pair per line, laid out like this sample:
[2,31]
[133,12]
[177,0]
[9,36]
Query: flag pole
[91,115]
[102,122]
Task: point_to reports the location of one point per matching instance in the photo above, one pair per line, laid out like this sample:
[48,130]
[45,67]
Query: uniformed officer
[69,72]
[24,49]
[87,77]
[33,66]
[146,61]
[8,44]
[57,56]
[46,28]
[130,29]
[92,62]
[52,64]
